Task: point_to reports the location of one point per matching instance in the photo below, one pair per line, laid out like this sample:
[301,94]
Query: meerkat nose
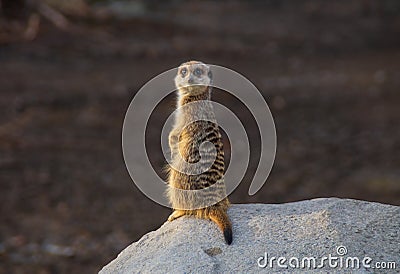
[191,80]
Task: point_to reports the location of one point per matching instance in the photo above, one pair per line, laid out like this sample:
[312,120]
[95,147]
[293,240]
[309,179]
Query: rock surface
[313,228]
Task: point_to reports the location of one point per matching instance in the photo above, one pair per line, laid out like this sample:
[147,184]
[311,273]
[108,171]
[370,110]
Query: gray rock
[313,228]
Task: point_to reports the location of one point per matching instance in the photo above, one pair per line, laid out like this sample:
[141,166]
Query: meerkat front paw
[175,215]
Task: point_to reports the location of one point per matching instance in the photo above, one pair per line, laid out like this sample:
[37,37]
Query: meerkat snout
[191,80]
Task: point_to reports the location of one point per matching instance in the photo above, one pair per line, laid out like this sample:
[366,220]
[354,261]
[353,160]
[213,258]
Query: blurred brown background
[330,71]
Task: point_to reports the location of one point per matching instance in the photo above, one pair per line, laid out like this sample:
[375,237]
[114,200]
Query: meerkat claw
[175,215]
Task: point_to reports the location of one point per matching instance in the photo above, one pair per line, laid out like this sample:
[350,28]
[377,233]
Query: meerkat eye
[198,72]
[183,72]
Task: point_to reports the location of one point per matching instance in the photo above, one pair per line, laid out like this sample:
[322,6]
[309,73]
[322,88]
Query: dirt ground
[330,73]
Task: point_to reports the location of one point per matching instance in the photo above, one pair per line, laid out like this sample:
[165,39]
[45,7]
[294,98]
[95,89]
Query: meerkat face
[193,76]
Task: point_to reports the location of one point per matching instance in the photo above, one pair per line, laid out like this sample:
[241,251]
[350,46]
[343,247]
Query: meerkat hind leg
[175,215]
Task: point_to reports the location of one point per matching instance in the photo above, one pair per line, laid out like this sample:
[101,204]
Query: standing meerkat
[196,174]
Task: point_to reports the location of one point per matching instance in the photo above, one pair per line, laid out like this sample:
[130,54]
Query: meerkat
[206,197]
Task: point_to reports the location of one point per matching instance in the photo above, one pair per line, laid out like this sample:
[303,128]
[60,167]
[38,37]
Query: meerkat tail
[221,218]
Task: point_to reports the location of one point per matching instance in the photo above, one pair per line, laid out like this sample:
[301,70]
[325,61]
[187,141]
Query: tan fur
[208,187]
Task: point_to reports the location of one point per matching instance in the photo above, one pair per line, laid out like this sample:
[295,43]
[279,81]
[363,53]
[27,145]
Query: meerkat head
[193,77]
